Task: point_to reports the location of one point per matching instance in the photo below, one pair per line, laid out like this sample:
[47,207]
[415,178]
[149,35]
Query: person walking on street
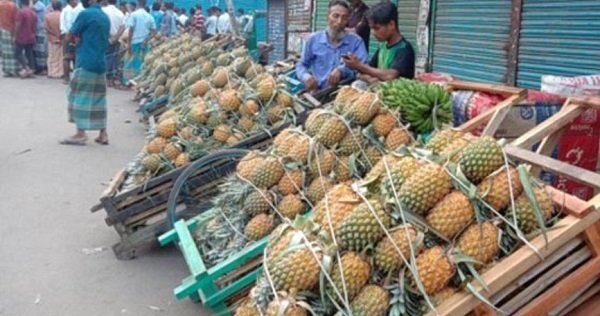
[52,27]
[87,89]
[141,29]
[67,17]
[25,30]
[8,17]
[40,49]
[168,25]
[117,27]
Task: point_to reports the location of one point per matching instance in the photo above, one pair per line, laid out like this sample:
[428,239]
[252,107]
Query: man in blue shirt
[321,64]
[87,89]
[141,29]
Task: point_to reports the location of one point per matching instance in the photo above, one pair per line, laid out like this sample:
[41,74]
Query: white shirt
[182,19]
[224,25]
[211,25]
[68,16]
[116,17]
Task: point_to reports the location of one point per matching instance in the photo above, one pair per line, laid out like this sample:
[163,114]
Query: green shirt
[399,56]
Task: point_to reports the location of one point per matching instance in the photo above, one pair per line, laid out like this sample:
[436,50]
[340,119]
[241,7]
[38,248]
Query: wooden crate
[139,215]
[216,287]
[523,283]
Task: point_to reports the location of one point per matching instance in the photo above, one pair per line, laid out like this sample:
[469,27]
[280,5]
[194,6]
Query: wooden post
[513,42]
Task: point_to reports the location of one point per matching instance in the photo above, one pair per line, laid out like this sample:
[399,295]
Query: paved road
[46,228]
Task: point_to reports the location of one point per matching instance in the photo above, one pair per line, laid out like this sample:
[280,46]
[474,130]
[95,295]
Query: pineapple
[373,300]
[323,164]
[253,71]
[495,189]
[284,100]
[364,108]
[229,100]
[344,97]
[187,133]
[182,159]
[290,206]
[291,182]
[156,145]
[317,189]
[159,91]
[400,171]
[222,133]
[296,270]
[234,138]
[332,131]
[361,229]
[172,150]
[246,124]
[315,121]
[290,309]
[440,140]
[387,258]
[266,89]
[342,170]
[171,113]
[396,138]
[443,294]
[352,276]
[526,219]
[200,88]
[378,169]
[152,162]
[351,143]
[280,240]
[259,226]
[275,113]
[454,150]
[249,108]
[216,118]
[480,242]
[247,309]
[435,269]
[372,155]
[224,59]
[167,128]
[425,188]
[246,165]
[383,123]
[197,114]
[268,173]
[300,149]
[220,78]
[258,202]
[340,202]
[283,143]
[451,214]
[481,158]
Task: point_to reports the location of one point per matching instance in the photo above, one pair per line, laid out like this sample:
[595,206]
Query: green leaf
[537,211]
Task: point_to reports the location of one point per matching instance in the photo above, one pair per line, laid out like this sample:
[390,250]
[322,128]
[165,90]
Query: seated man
[321,64]
[395,56]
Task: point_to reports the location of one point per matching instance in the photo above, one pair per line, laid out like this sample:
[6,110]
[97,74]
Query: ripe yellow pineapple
[315,121]
[353,275]
[290,206]
[249,108]
[246,124]
[247,309]
[332,131]
[300,149]
[167,128]
[372,155]
[451,214]
[396,138]
[435,269]
[364,108]
[383,123]
[425,188]
[400,171]
[200,88]
[253,71]
[291,182]
[378,171]
[198,113]
[258,202]
[182,160]
[351,143]
[266,88]
[152,162]
[495,189]
[247,164]
[345,96]
[342,171]
[234,138]
[283,143]
[387,258]
[170,113]
[480,242]
[441,140]
[373,300]
[229,100]
[268,173]
[285,309]
[156,145]
[280,239]
[221,133]
[480,158]
[323,163]
[187,133]
[454,149]
[284,100]
[526,218]
[259,226]
[220,78]
[172,150]
[341,201]
[361,228]
[318,188]
[296,270]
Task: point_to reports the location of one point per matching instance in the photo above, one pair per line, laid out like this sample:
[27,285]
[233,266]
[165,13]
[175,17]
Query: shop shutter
[471,39]
[560,37]
[276,29]
[320,18]
[408,15]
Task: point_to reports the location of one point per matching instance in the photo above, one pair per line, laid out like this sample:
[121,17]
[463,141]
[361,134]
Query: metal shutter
[471,39]
[320,21]
[560,37]
[408,15]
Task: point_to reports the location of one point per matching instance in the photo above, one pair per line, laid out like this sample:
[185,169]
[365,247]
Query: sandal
[101,141]
[73,141]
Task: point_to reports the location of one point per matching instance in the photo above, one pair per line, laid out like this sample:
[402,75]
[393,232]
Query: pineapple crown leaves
[404,302]
[475,292]
[537,210]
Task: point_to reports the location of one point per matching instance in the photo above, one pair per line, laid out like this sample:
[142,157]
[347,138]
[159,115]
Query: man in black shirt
[357,22]
[395,56]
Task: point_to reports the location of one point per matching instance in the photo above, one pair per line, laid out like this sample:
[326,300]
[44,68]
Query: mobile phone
[346,55]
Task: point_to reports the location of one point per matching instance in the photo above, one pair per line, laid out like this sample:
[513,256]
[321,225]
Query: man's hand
[310,84]
[334,77]
[352,61]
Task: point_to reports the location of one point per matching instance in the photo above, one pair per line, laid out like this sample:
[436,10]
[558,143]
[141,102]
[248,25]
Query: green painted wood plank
[233,288]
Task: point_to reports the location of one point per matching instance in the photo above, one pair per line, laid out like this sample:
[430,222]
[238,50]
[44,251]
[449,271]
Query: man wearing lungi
[8,18]
[40,49]
[87,89]
[141,29]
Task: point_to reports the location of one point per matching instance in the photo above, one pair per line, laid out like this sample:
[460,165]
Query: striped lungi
[87,100]
[10,67]
[133,63]
[40,50]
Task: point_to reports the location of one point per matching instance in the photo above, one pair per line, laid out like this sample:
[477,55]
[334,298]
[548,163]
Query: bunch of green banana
[424,106]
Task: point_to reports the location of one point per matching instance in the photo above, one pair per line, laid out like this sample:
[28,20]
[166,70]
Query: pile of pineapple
[339,143]
[211,106]
[423,222]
